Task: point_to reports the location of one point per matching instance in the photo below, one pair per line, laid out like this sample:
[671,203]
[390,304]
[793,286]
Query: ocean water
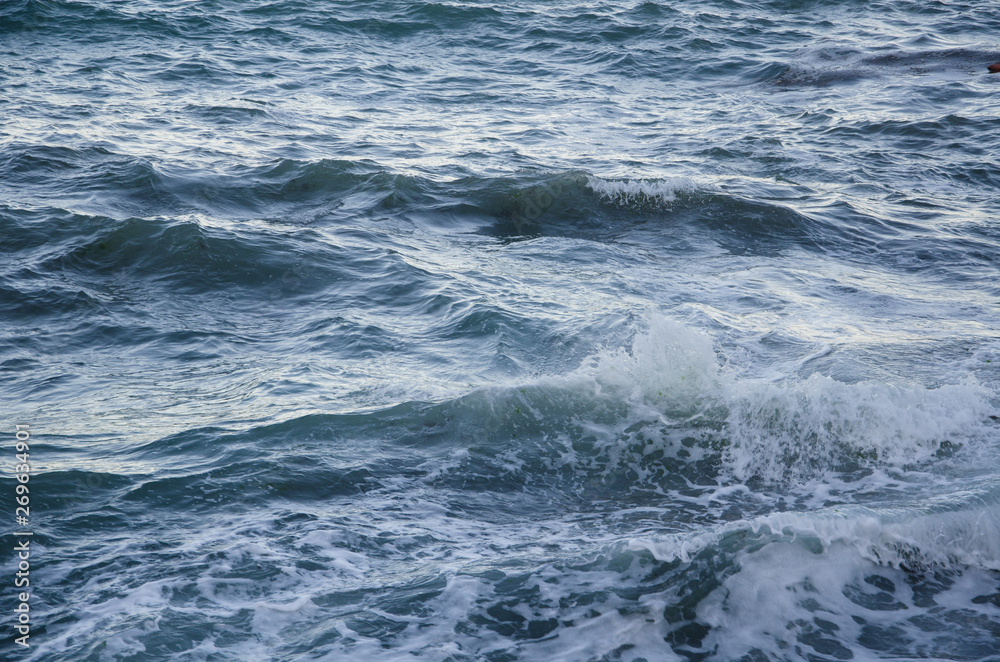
[502,330]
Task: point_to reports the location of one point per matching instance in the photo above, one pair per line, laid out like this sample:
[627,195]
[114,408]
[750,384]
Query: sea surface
[501,331]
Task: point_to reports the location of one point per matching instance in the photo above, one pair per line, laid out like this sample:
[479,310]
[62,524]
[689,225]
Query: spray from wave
[787,429]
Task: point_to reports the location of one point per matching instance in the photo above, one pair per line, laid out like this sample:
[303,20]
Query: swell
[658,416]
[161,225]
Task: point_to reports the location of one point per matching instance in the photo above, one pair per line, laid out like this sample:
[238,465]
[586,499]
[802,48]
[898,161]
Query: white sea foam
[821,565]
[640,191]
[903,538]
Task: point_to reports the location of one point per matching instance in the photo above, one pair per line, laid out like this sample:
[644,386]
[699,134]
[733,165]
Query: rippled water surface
[557,331]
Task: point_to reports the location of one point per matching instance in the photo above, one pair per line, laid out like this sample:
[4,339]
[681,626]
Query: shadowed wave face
[503,331]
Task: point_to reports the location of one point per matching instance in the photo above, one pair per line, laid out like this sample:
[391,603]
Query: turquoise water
[464,331]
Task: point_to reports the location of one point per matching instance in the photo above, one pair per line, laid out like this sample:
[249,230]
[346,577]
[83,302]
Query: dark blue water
[464,331]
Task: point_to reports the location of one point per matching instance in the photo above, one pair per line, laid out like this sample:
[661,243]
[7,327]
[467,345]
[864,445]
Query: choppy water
[503,331]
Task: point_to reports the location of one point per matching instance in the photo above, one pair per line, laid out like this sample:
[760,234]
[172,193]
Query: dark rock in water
[994,68]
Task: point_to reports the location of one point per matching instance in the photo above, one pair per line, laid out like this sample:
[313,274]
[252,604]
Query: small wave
[831,65]
[795,428]
[191,257]
[669,385]
[87,19]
